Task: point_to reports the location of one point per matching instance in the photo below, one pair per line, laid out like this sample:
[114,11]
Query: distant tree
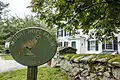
[12,25]
[101,15]
[3,11]
[3,6]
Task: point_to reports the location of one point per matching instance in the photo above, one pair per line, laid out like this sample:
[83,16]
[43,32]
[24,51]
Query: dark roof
[66,49]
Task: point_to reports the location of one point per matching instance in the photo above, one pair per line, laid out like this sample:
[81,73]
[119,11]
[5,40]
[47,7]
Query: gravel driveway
[8,65]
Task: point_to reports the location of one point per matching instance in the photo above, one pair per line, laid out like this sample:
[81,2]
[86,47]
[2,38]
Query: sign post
[33,47]
[32,73]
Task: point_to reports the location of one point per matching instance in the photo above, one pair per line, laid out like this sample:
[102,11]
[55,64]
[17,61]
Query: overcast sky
[18,7]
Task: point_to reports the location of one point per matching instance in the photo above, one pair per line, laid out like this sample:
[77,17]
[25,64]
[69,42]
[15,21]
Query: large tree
[101,15]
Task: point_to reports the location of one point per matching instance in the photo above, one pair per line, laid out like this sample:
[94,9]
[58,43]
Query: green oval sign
[33,46]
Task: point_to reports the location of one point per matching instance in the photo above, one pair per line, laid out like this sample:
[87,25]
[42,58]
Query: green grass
[44,73]
[6,57]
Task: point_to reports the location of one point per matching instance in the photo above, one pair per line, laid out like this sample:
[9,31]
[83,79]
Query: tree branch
[85,9]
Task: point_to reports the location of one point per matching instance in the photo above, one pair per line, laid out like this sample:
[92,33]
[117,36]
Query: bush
[2,47]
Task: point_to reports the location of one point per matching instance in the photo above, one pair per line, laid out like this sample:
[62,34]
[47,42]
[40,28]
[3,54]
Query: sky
[18,7]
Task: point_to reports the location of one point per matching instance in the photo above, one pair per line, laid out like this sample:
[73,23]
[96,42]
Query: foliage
[101,15]
[43,74]
[2,47]
[9,27]
[3,12]
[6,57]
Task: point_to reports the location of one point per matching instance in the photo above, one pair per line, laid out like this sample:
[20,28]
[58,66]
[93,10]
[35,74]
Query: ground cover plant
[44,73]
[6,57]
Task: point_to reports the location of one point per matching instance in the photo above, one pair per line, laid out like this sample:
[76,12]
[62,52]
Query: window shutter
[88,45]
[61,33]
[96,46]
[57,33]
[103,46]
[65,33]
[115,44]
[69,33]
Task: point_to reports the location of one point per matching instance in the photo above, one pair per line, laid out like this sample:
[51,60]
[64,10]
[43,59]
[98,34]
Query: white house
[85,45]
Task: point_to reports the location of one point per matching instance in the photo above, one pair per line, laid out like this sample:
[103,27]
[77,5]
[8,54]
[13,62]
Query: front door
[82,46]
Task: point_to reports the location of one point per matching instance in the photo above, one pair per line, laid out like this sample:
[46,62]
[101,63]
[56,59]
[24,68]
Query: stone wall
[87,69]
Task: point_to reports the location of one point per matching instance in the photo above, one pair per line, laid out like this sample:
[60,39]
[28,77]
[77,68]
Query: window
[70,33]
[60,33]
[73,44]
[77,32]
[65,44]
[92,45]
[115,42]
[60,44]
[109,45]
[66,33]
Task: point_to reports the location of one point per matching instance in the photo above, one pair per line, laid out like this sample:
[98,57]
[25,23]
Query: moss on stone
[71,57]
[75,56]
[115,59]
[109,57]
[105,68]
[92,68]
[101,56]
[77,59]
[92,59]
[97,78]
[68,56]
[78,55]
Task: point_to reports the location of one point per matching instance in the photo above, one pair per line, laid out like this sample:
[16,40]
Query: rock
[116,73]
[87,58]
[86,66]
[116,63]
[75,71]
[81,69]
[77,59]
[91,71]
[102,60]
[106,74]
[99,74]
[93,59]
[92,75]
[82,78]
[81,65]
[75,65]
[106,78]
[85,73]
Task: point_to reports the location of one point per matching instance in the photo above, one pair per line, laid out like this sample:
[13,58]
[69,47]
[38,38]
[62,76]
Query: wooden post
[32,73]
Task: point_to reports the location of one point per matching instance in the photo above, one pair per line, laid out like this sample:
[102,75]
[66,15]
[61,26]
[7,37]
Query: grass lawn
[6,57]
[44,73]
